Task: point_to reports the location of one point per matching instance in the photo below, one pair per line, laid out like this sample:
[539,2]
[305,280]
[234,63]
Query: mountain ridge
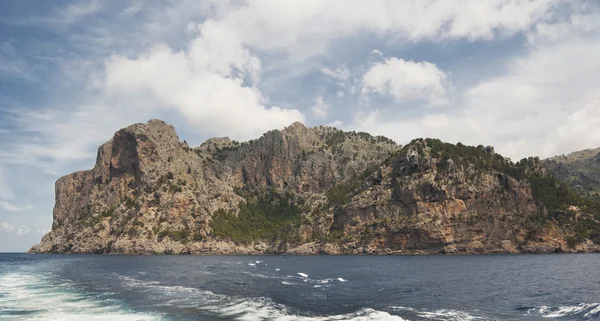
[312,190]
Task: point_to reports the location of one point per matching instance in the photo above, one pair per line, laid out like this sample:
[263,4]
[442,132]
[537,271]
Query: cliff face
[307,191]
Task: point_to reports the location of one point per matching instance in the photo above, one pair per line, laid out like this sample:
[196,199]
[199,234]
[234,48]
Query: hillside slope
[581,170]
[309,191]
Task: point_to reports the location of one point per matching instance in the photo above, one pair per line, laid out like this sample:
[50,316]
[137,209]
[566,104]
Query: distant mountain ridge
[580,169]
[313,190]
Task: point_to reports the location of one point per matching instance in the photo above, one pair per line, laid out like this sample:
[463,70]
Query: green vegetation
[175,235]
[174,188]
[130,202]
[581,170]
[342,192]
[109,212]
[555,196]
[546,190]
[462,155]
[266,216]
[92,221]
[334,138]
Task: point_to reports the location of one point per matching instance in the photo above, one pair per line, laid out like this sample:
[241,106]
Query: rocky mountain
[581,170]
[312,191]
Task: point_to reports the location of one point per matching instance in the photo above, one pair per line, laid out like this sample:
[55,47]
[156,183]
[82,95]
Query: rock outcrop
[310,191]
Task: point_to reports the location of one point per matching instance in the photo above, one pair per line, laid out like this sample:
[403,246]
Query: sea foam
[34,297]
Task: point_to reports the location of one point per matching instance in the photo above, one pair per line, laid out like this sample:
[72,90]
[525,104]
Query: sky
[522,76]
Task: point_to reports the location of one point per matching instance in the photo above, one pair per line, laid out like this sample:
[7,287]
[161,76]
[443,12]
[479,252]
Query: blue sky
[519,75]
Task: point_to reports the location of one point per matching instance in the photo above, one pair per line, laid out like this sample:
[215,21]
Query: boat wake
[30,296]
[37,297]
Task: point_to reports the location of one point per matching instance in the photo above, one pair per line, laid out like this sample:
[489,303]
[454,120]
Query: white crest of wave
[449,315]
[248,309]
[257,311]
[441,314]
[32,297]
[589,310]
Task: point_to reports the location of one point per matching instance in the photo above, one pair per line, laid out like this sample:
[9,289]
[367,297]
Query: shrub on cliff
[265,216]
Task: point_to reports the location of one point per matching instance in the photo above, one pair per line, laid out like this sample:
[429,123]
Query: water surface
[495,287]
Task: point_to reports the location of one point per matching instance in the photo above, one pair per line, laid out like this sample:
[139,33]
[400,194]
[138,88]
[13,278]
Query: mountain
[581,170]
[312,191]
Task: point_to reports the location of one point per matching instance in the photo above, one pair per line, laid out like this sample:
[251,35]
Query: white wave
[262,276]
[277,269]
[252,264]
[263,311]
[449,315]
[441,314]
[254,309]
[341,280]
[587,309]
[404,308]
[135,282]
[33,297]
[304,275]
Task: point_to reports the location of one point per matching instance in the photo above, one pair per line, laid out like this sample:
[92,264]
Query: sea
[307,288]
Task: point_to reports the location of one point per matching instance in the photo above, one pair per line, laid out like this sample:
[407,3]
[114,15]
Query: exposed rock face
[322,191]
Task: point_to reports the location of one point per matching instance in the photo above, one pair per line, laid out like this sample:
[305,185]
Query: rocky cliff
[312,191]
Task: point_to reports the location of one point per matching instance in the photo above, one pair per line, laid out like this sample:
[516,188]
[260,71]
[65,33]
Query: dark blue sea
[323,288]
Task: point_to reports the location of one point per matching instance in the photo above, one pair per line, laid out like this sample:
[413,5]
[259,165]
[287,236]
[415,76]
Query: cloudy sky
[520,75]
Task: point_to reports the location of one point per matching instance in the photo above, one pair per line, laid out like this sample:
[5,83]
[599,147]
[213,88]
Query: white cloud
[580,129]
[336,123]
[544,102]
[320,108]
[16,229]
[340,74]
[406,81]
[554,86]
[77,11]
[305,27]
[367,119]
[63,16]
[207,91]
[13,208]
[214,80]
[4,131]
[22,230]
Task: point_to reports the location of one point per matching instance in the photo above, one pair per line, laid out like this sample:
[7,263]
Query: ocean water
[314,288]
